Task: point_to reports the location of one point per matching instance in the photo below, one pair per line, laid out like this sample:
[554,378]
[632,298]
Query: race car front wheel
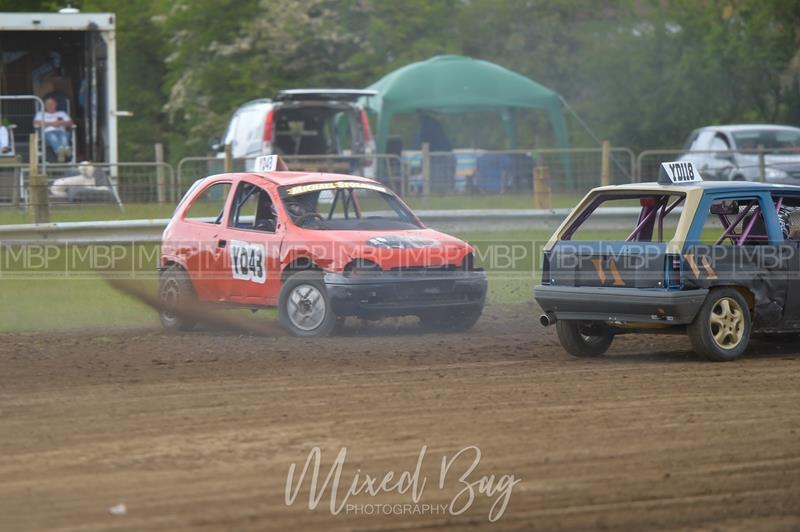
[584,338]
[721,330]
[304,307]
[175,291]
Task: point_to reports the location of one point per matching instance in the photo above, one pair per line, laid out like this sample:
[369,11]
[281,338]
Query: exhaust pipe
[547,319]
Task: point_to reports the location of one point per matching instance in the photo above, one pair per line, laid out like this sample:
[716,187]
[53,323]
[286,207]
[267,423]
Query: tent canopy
[452,83]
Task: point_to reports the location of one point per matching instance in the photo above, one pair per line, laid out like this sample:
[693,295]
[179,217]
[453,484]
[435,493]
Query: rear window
[638,217]
[317,130]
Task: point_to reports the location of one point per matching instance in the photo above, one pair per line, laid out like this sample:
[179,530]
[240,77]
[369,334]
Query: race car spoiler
[349,95]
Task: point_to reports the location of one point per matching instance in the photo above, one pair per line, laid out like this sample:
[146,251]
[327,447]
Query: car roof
[708,186]
[301,178]
[749,127]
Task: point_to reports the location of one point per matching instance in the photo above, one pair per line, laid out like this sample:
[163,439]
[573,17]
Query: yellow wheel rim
[727,323]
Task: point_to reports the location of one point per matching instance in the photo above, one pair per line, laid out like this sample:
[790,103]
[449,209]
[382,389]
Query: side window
[210,203]
[788,209]
[253,209]
[735,222]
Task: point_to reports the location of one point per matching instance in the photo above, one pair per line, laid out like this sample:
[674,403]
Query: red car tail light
[365,127]
[268,127]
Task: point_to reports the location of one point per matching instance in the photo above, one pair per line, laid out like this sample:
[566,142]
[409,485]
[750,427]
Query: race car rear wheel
[451,321]
[584,338]
[721,330]
[304,307]
[175,291]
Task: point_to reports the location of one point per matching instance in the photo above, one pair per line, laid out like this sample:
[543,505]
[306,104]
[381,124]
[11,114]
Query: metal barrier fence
[512,171]
[385,168]
[453,173]
[460,172]
[771,166]
[93,183]
[17,114]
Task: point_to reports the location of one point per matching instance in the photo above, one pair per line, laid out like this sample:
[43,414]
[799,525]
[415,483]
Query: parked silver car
[731,152]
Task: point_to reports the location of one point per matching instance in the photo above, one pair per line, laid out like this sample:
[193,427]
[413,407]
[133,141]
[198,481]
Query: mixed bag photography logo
[445,485]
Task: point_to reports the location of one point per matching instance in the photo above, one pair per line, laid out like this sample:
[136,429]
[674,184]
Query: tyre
[451,321]
[175,290]
[584,338]
[304,307]
[721,329]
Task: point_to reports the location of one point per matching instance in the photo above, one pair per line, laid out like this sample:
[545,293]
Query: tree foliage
[642,73]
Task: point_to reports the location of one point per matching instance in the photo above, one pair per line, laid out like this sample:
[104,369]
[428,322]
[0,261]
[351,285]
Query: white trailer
[70,56]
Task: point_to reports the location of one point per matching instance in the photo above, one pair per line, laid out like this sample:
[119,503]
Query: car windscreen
[628,217]
[346,205]
[778,140]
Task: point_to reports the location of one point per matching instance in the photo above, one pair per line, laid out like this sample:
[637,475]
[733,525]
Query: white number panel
[247,261]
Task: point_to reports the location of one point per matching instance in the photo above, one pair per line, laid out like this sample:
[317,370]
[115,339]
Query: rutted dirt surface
[197,431]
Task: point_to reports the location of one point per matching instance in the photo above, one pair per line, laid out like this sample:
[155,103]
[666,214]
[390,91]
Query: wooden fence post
[228,165]
[37,184]
[426,169]
[542,195]
[605,164]
[161,185]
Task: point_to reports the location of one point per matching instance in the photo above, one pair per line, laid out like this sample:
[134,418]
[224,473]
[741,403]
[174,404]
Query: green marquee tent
[452,83]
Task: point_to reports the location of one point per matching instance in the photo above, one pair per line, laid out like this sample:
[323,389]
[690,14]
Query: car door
[790,212]
[735,241]
[201,232]
[252,246]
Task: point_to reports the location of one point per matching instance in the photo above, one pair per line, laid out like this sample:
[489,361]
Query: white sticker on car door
[247,261]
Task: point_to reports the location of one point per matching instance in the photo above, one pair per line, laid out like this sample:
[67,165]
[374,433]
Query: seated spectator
[55,125]
[5,141]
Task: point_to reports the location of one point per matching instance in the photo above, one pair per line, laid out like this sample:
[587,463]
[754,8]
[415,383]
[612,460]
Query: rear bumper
[390,294]
[625,305]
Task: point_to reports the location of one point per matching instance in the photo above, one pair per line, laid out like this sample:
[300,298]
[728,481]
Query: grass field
[61,291]
[137,211]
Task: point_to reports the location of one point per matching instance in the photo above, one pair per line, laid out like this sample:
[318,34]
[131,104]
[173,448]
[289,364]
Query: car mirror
[215,143]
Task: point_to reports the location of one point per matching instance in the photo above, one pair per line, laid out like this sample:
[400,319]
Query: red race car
[320,247]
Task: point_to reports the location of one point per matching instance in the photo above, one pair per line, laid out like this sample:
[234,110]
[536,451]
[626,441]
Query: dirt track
[197,431]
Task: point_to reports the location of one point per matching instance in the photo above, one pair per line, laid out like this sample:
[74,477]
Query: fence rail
[117,183]
[775,165]
[144,231]
[457,174]
[18,112]
[386,168]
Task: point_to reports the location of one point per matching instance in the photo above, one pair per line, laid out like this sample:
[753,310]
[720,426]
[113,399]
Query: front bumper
[623,305]
[394,294]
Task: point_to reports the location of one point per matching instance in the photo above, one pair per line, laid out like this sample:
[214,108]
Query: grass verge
[57,289]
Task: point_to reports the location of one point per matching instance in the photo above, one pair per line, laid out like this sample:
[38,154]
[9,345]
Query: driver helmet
[295,209]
